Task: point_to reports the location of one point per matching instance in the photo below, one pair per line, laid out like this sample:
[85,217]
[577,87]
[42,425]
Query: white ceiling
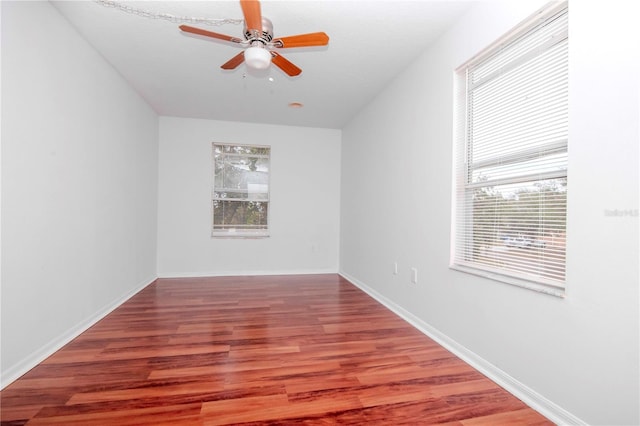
[179,74]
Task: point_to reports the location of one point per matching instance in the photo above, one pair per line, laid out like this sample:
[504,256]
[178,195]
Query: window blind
[511,160]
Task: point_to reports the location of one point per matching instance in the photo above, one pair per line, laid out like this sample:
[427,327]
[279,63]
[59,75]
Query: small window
[240,190]
[511,157]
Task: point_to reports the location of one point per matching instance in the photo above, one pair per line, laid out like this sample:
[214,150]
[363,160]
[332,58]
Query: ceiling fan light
[257,57]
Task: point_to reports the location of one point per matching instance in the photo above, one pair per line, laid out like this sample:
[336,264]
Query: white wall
[79,185]
[577,356]
[304,210]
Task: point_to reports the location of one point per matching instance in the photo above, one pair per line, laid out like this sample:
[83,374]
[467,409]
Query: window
[511,157]
[240,190]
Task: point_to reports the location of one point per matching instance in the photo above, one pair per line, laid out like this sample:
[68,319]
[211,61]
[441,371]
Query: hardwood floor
[256,350]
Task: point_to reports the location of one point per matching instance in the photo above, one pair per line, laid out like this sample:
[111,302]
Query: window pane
[240,215]
[238,172]
[520,228]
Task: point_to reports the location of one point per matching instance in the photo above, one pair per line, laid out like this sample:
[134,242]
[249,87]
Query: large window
[241,190]
[511,157]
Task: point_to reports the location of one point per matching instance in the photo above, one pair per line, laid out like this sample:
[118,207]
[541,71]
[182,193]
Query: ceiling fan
[259,41]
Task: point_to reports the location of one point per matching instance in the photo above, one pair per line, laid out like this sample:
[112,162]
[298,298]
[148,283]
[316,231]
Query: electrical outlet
[395,268]
[414,275]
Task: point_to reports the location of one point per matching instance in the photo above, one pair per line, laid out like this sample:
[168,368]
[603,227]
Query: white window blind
[511,157]
[240,190]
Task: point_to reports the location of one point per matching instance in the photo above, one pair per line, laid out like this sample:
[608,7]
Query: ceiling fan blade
[252,14]
[194,30]
[285,65]
[233,62]
[302,40]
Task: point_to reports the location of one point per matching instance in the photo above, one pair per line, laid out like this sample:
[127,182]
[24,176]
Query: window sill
[529,285]
[241,235]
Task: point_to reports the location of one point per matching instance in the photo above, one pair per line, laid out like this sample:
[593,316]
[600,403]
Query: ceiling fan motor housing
[260,47]
[264,37]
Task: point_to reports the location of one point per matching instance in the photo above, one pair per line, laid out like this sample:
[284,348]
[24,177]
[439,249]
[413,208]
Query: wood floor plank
[234,412]
[394,393]
[310,349]
[523,417]
[183,414]
[333,381]
[148,392]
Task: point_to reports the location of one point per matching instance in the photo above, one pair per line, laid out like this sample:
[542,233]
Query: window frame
[462,232]
[227,231]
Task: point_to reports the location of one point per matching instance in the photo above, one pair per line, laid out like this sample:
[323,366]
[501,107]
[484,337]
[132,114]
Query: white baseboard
[16,371]
[244,273]
[527,395]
